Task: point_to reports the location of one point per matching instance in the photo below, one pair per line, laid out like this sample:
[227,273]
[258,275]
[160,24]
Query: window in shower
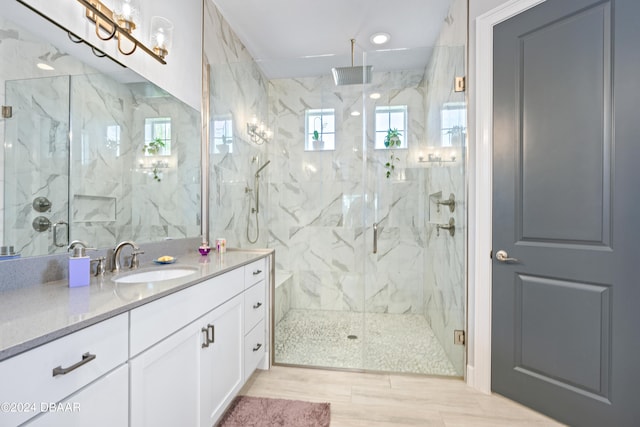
[113,138]
[223,135]
[453,119]
[390,117]
[158,129]
[320,129]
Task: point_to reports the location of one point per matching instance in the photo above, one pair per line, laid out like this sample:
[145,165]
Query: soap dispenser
[79,264]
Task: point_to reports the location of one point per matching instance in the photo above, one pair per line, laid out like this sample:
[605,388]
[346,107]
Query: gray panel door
[566,206]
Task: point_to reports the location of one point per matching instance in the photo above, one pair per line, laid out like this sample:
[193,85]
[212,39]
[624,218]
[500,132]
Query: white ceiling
[282,34]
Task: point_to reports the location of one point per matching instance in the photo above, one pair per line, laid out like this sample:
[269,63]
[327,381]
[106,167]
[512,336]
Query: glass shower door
[36,166]
[414,283]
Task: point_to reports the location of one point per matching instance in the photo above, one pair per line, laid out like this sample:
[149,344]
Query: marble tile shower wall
[111,197]
[36,165]
[170,208]
[318,197]
[114,195]
[445,279]
[18,47]
[238,92]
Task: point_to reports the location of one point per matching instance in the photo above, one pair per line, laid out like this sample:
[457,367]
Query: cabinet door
[165,381]
[222,362]
[105,403]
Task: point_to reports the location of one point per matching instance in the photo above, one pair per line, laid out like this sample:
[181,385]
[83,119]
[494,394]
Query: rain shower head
[352,75]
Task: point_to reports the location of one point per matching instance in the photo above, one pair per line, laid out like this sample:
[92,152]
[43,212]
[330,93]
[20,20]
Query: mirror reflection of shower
[255,210]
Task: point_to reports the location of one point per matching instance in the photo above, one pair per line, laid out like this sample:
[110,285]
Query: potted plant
[316,139]
[391,140]
[153,149]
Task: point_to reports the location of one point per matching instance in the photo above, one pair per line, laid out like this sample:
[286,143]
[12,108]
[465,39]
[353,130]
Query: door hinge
[458,337]
[460,84]
[7,112]
[491,254]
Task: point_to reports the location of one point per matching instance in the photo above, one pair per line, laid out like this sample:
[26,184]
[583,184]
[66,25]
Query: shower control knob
[503,256]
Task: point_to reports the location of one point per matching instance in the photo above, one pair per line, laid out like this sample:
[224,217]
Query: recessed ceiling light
[374,95]
[44,66]
[355,113]
[380,38]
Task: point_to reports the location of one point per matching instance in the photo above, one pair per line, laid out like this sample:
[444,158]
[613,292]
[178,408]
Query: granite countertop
[34,315]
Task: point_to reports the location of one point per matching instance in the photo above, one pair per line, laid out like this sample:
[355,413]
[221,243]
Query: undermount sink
[156,275]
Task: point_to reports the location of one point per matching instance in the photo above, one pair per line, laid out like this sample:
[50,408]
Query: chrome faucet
[134,255]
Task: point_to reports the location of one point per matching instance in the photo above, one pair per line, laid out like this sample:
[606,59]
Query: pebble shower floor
[389,342]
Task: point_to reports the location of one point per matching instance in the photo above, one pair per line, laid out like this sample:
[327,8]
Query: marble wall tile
[238,93]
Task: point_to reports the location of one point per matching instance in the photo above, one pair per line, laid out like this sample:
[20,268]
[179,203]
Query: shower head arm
[353,54]
[262,167]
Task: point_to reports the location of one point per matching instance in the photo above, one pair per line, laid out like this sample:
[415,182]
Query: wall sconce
[257,132]
[120,23]
[161,35]
[436,157]
[126,13]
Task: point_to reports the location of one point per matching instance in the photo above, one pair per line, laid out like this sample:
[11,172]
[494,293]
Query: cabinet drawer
[105,403]
[158,319]
[254,349]
[254,272]
[32,377]
[254,306]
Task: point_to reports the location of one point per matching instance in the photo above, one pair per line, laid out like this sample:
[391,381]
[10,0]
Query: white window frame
[380,134]
[453,119]
[310,124]
[152,131]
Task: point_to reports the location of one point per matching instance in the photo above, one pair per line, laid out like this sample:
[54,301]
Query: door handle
[503,256]
[375,237]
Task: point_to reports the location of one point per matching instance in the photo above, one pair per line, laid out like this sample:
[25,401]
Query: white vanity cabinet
[55,371]
[186,372]
[178,360]
[221,366]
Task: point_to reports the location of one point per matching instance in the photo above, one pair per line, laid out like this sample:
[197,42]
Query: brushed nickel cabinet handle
[86,358]
[212,329]
[205,344]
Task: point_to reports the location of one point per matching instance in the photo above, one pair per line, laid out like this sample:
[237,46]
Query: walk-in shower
[336,303]
[254,208]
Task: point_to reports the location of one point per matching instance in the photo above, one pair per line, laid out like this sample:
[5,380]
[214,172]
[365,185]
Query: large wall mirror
[91,151]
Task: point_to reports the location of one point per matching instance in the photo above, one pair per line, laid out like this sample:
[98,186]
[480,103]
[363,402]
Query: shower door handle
[375,237]
[55,234]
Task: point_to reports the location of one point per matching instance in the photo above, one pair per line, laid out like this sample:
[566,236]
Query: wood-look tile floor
[374,400]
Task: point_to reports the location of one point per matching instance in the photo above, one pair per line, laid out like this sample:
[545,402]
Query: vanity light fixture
[258,132]
[161,35]
[120,23]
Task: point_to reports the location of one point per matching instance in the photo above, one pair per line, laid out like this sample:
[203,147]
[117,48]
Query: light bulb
[161,35]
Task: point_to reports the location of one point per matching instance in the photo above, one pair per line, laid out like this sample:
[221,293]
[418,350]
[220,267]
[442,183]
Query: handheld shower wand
[256,210]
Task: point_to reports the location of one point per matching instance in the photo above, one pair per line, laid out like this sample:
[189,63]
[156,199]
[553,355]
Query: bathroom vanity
[165,353]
